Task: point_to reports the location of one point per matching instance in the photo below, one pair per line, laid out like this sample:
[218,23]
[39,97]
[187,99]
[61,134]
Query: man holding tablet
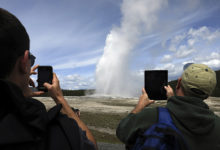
[199,126]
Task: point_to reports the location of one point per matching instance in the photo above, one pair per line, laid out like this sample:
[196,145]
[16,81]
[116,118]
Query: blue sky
[76,37]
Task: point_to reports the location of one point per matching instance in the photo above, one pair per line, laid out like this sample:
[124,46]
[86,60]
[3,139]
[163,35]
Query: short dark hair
[14,40]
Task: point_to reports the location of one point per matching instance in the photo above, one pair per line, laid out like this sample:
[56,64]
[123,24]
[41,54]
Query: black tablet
[155,80]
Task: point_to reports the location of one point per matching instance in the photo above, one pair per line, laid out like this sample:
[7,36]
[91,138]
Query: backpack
[161,136]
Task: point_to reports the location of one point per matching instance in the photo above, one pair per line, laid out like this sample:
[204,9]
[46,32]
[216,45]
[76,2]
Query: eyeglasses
[32,58]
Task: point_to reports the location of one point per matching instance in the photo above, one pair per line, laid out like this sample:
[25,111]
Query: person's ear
[24,63]
[179,83]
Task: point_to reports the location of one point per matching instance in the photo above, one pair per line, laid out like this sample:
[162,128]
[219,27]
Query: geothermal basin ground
[102,114]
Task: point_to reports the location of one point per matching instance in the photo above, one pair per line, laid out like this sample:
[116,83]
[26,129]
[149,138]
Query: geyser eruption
[113,75]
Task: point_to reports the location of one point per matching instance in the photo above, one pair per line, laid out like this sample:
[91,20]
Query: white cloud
[72,58]
[212,60]
[211,56]
[74,77]
[215,63]
[184,52]
[191,42]
[214,36]
[76,81]
[215,55]
[167,66]
[174,70]
[76,64]
[166,58]
[176,41]
[193,46]
[192,37]
[203,33]
[186,44]
[207,54]
[73,81]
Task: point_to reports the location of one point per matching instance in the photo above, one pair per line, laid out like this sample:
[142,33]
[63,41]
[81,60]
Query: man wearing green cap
[199,126]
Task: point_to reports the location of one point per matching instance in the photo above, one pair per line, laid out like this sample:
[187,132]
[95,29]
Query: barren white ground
[114,105]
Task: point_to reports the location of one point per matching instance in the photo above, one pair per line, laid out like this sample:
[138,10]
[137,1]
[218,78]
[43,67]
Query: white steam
[113,75]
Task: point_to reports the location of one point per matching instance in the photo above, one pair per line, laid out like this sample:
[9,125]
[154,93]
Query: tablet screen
[155,80]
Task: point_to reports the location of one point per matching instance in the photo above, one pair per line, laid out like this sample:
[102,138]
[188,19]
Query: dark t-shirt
[26,125]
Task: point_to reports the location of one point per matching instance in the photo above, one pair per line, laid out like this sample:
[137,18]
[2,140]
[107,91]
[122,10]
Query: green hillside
[216,92]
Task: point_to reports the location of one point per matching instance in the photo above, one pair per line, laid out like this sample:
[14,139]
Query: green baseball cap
[198,80]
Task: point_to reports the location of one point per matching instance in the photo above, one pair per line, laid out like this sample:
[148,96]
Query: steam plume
[113,76]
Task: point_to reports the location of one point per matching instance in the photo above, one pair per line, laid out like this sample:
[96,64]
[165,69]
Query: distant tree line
[78,92]
[73,93]
[216,92]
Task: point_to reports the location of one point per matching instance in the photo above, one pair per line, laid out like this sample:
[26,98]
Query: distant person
[24,122]
[199,126]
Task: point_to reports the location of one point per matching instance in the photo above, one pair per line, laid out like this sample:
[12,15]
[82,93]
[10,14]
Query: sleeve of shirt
[75,135]
[65,133]
[129,127]
[87,144]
